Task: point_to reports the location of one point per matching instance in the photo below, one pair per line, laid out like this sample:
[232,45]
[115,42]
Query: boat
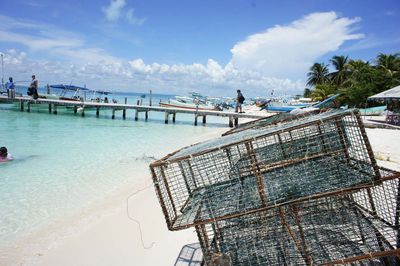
[194,102]
[187,105]
[67,93]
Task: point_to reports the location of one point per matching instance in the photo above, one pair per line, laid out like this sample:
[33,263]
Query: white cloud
[113,11]
[288,51]
[116,10]
[132,19]
[277,58]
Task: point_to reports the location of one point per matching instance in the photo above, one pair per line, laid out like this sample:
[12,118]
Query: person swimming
[4,155]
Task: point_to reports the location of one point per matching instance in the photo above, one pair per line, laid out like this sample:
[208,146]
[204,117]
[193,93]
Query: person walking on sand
[239,101]
[33,88]
[10,88]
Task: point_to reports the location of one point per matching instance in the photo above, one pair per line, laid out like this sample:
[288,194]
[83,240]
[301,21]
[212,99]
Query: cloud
[289,50]
[116,10]
[132,19]
[113,11]
[277,58]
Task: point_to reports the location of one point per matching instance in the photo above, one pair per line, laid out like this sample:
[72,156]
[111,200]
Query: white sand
[106,234]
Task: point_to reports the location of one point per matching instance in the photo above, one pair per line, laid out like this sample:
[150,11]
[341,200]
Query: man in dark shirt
[239,102]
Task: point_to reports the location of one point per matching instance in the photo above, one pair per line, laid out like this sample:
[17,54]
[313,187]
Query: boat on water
[66,92]
[187,105]
[194,102]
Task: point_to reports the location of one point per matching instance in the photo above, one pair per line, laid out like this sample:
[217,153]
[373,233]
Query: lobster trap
[359,226]
[263,167]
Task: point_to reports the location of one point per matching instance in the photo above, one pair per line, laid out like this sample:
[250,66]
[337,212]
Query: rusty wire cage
[355,227]
[258,168]
[271,120]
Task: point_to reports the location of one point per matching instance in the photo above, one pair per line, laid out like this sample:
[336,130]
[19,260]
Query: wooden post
[136,115]
[204,119]
[150,98]
[230,121]
[55,109]
[147,115]
[22,105]
[97,111]
[49,108]
[195,119]
[113,114]
[83,111]
[75,109]
[124,111]
[166,117]
[236,121]
[173,117]
[28,106]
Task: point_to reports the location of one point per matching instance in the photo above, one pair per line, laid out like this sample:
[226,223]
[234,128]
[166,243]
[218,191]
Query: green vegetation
[355,80]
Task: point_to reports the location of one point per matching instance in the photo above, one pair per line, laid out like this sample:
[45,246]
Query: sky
[209,46]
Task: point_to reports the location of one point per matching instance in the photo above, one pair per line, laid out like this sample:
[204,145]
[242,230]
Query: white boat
[189,105]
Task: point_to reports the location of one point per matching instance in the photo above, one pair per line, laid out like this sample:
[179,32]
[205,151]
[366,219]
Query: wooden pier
[26,102]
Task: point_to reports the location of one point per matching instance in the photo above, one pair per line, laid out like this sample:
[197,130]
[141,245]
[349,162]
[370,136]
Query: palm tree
[389,63]
[318,74]
[322,91]
[340,75]
[355,69]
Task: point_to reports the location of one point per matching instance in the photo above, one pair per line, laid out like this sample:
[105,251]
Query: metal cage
[354,227]
[260,168]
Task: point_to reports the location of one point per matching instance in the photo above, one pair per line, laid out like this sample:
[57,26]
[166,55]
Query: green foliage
[323,91]
[355,80]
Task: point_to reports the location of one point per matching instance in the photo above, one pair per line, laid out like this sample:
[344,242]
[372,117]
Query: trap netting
[355,227]
[259,168]
[271,120]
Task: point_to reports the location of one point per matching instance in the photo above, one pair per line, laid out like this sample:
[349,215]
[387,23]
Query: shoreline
[105,224]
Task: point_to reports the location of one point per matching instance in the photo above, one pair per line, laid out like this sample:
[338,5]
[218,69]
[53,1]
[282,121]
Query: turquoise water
[64,162]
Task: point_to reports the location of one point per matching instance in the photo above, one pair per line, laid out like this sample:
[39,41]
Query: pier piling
[113,113]
[166,117]
[28,107]
[204,119]
[124,110]
[50,108]
[22,105]
[173,117]
[55,109]
[136,115]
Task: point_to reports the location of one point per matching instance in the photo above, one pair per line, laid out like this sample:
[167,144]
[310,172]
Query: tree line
[354,80]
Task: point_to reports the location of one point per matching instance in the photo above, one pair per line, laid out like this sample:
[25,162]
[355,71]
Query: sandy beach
[128,228]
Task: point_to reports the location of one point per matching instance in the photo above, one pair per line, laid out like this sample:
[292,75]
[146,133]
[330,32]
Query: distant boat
[187,105]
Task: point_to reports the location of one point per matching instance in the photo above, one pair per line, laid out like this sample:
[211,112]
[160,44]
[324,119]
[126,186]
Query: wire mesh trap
[355,227]
[271,120]
[260,168]
[190,255]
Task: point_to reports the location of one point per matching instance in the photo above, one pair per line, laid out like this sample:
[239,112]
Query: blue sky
[213,47]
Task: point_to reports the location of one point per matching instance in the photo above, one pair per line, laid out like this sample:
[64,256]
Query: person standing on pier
[239,102]
[33,88]
[10,88]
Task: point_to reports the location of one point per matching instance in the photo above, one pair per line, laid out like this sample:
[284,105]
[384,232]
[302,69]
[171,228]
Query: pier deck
[233,117]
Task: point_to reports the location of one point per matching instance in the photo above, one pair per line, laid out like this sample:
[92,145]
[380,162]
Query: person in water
[4,155]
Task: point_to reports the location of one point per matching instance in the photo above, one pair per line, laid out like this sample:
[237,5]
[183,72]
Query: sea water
[63,163]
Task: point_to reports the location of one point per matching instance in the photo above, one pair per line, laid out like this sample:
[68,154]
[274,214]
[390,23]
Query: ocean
[65,162]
